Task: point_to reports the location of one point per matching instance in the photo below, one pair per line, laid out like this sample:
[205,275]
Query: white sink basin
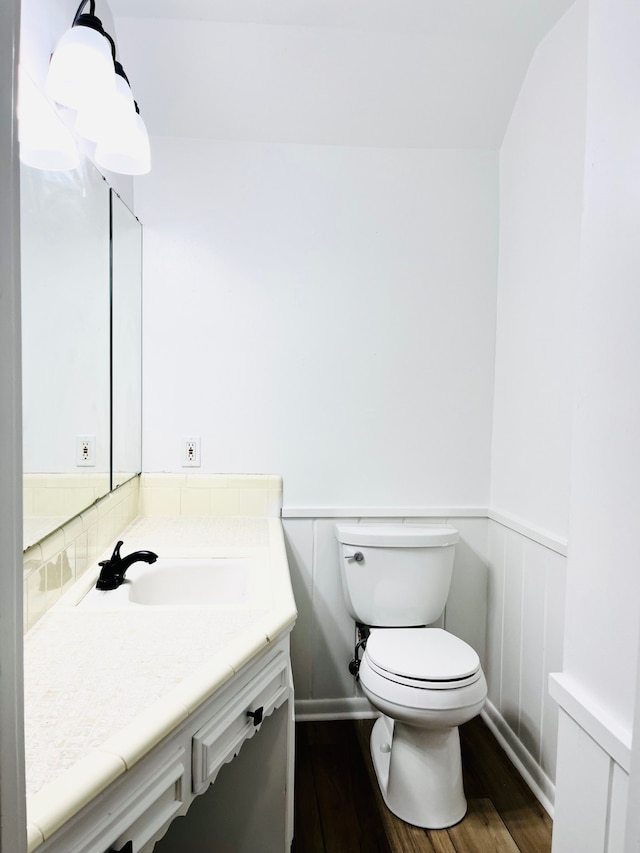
[180,582]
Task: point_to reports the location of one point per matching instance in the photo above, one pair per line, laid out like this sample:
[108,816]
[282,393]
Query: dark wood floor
[339,808]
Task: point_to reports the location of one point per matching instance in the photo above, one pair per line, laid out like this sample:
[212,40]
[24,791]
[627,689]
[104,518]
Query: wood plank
[503,816]
[307,830]
[366,805]
[481,831]
[520,811]
[441,841]
[349,816]
[325,732]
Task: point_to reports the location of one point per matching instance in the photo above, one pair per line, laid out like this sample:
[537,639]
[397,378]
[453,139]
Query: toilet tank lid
[396,535]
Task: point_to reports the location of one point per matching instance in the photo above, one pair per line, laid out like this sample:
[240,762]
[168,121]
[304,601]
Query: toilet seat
[422,658]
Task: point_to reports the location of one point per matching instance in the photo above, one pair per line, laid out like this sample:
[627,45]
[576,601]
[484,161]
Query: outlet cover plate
[191,452]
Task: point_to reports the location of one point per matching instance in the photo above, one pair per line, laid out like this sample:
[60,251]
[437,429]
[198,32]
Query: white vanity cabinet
[135,811]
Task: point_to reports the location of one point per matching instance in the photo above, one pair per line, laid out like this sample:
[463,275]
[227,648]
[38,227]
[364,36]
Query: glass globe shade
[81,69]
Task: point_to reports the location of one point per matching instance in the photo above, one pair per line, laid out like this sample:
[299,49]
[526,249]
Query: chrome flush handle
[358,556]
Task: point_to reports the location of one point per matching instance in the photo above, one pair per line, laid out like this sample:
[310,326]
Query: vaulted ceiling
[387,73]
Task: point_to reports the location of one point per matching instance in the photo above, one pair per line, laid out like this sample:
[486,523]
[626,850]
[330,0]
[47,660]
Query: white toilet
[424,681]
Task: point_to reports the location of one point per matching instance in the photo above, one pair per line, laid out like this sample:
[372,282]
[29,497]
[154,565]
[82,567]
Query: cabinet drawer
[220,739]
[155,804]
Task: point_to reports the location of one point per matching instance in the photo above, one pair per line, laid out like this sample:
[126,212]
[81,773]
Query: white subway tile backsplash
[89,517]
[164,500]
[63,556]
[72,530]
[55,562]
[35,595]
[225,501]
[52,545]
[253,501]
[195,501]
[211,494]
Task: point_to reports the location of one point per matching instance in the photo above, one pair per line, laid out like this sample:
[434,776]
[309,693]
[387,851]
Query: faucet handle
[115,556]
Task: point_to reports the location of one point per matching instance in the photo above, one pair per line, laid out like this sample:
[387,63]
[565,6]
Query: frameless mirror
[81,256]
[126,350]
[65,344]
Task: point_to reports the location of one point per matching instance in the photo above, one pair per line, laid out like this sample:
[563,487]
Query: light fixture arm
[89,19]
[92,10]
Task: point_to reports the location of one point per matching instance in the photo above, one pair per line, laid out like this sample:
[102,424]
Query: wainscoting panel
[525,622]
[323,639]
[591,794]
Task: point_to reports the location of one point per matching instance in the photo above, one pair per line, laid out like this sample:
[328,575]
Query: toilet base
[419,772]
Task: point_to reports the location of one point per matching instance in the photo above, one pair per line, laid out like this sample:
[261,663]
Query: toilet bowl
[426,683]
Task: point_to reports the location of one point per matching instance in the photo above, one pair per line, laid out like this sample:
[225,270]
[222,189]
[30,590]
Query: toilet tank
[403,576]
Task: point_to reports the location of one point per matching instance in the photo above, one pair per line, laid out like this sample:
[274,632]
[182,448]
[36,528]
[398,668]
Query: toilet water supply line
[363,632]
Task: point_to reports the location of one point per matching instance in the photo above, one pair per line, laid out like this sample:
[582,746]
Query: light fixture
[96,118]
[45,142]
[125,149]
[84,75]
[81,68]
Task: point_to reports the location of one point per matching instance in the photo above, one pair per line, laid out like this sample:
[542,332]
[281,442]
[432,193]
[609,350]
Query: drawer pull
[256,715]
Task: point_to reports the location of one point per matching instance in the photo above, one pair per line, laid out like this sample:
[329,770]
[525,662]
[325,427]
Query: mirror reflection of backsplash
[52,565]
[52,499]
[67,286]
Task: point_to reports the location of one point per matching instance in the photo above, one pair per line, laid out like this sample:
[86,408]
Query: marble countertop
[102,688]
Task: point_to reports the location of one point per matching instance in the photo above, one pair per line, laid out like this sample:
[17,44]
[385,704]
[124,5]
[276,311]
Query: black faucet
[113,570]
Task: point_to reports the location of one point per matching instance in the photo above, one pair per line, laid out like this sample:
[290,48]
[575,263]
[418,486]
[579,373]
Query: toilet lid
[421,654]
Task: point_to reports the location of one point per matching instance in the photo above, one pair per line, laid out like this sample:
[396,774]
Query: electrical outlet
[85,451]
[190,452]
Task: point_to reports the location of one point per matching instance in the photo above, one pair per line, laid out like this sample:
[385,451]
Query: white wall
[541,177]
[597,687]
[603,583]
[325,313]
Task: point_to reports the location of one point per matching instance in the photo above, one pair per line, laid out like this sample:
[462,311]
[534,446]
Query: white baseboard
[520,757]
[356,708]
